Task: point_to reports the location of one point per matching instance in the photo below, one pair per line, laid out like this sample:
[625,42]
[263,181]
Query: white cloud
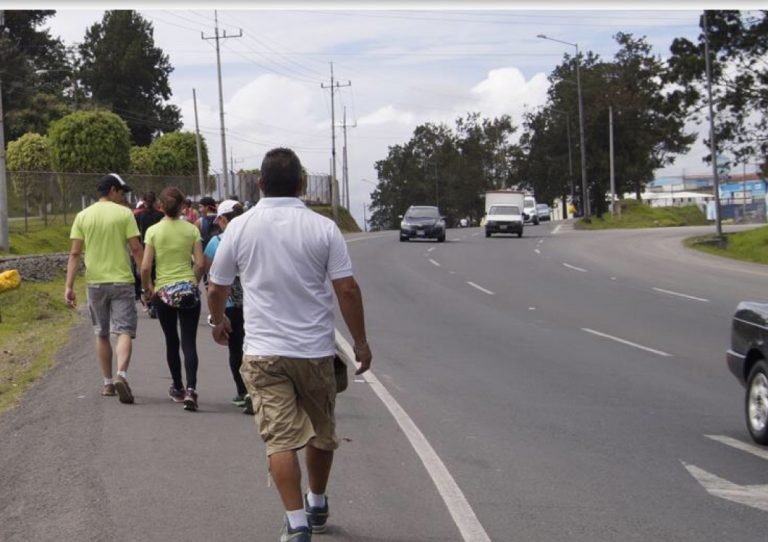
[386,115]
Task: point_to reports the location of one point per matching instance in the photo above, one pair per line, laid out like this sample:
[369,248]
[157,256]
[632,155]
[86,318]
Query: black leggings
[236,338]
[188,320]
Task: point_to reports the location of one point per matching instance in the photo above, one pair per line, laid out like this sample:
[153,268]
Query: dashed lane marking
[624,341]
[569,266]
[678,294]
[480,288]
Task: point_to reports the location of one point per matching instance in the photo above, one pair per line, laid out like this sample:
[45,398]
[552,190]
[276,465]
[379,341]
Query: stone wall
[38,267]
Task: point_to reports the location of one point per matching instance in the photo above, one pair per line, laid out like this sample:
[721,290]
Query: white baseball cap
[226,206]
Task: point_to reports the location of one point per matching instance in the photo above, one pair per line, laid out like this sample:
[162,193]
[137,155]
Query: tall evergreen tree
[34,69]
[124,71]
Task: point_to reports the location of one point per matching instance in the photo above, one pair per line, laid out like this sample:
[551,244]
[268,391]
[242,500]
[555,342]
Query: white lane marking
[557,229]
[613,278]
[569,266]
[480,288]
[739,445]
[537,251]
[433,262]
[430,249]
[624,341]
[463,516]
[678,294]
[531,308]
[755,496]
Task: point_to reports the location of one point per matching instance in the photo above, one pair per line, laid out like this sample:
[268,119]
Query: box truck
[504,212]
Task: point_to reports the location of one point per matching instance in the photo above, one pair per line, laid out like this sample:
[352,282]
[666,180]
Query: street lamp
[585,195]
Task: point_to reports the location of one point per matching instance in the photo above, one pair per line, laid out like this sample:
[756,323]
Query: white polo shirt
[286,256]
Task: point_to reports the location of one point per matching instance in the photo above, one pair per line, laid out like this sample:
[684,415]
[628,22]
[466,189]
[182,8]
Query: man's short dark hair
[110,181]
[281,173]
[208,201]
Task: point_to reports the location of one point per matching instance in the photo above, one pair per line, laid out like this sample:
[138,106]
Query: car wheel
[403,239]
[535,221]
[487,233]
[519,235]
[756,402]
[441,239]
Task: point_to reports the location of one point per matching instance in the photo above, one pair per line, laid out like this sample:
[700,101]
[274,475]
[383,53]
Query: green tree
[738,42]
[27,157]
[124,71]
[141,161]
[444,167]
[648,124]
[175,153]
[90,142]
[31,63]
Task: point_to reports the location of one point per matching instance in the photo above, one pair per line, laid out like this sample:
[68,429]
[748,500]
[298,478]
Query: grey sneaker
[300,534]
[190,400]
[123,390]
[316,516]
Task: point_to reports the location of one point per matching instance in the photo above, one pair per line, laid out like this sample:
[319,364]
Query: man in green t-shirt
[104,229]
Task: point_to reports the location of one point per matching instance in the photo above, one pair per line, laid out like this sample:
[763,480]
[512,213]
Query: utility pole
[712,145]
[221,94]
[345,167]
[610,145]
[4,238]
[334,185]
[198,144]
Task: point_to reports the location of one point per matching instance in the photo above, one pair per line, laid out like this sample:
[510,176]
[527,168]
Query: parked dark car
[748,361]
[422,222]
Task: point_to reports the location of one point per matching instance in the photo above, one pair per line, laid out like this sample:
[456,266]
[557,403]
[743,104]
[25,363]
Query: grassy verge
[748,246]
[635,214]
[54,238]
[35,323]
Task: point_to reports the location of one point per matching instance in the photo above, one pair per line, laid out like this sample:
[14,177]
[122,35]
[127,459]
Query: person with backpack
[227,210]
[148,215]
[207,221]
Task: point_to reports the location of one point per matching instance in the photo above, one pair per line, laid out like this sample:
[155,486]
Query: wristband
[210,322]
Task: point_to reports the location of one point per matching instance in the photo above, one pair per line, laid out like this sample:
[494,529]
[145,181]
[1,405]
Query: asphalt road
[563,386]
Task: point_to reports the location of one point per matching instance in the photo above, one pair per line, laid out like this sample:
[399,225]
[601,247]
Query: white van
[529,210]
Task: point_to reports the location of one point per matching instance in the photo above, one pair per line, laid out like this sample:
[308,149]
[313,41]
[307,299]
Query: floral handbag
[180,295]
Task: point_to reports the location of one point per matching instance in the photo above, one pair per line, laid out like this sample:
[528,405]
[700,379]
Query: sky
[405,67]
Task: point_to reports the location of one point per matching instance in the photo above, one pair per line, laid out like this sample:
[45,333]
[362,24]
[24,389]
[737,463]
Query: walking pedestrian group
[272,273]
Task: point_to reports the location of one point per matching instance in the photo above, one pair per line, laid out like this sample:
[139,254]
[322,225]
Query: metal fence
[39,199]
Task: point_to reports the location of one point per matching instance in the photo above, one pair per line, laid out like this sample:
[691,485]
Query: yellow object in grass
[9,280]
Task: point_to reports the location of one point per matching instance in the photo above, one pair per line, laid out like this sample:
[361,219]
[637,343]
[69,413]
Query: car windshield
[504,210]
[542,206]
[422,212]
[529,202]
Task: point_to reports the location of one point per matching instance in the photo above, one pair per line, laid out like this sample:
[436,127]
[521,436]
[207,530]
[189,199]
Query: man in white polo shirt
[285,255]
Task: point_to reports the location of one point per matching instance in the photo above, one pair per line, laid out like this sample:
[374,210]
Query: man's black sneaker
[317,516]
[299,534]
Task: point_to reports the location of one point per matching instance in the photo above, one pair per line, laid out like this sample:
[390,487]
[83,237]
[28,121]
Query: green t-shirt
[173,242]
[105,228]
